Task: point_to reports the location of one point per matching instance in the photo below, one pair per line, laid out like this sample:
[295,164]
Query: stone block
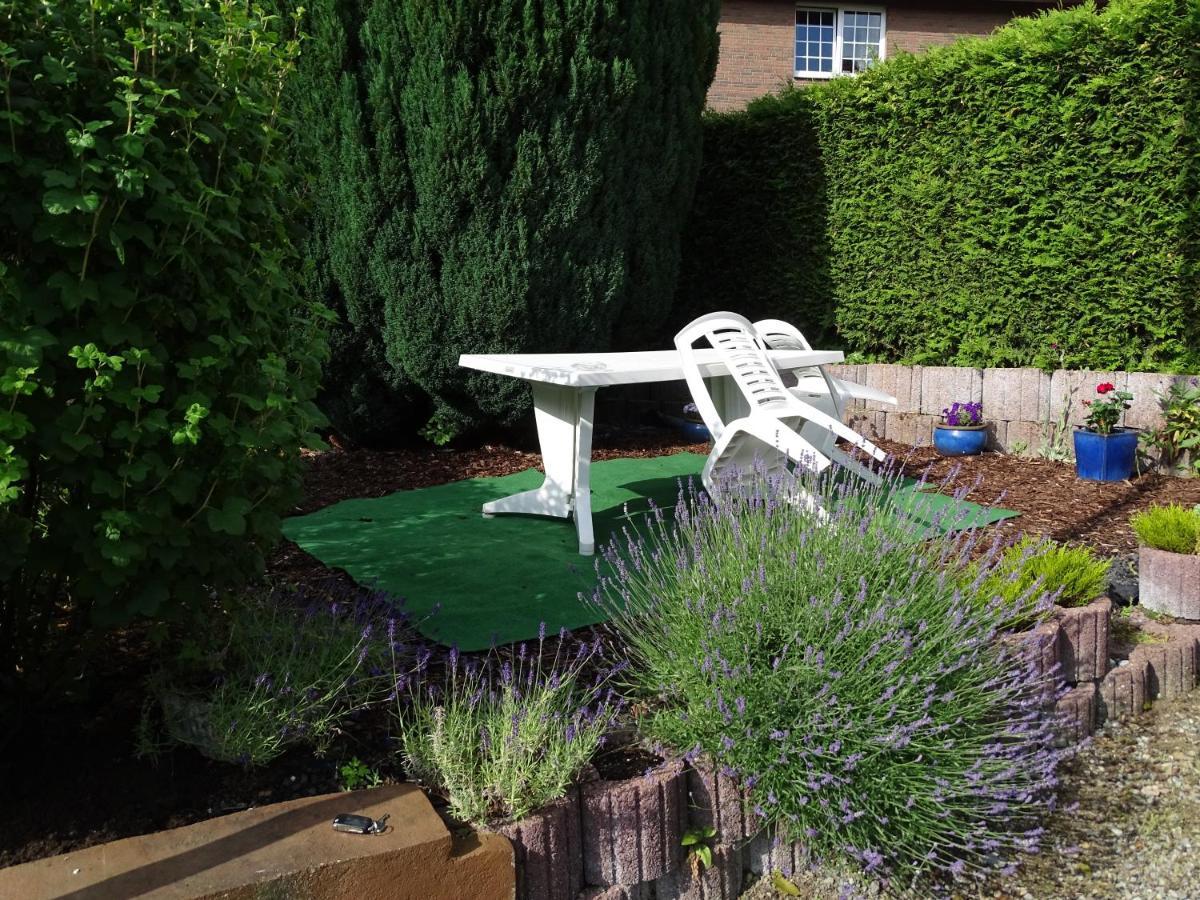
[1083,640]
[902,382]
[1076,710]
[547,851]
[1016,395]
[1122,693]
[620,892]
[1145,410]
[869,423]
[1169,582]
[768,852]
[1027,435]
[633,830]
[1171,668]
[716,801]
[915,429]
[720,881]
[943,385]
[1070,387]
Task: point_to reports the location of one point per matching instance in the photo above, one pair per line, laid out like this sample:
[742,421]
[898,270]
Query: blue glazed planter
[693,432]
[959,440]
[1105,457]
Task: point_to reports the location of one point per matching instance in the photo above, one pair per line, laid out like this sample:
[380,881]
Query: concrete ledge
[633,830]
[1083,644]
[285,850]
[1169,582]
[767,852]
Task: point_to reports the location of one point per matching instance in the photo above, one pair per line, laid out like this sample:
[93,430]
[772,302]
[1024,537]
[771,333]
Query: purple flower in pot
[962,431]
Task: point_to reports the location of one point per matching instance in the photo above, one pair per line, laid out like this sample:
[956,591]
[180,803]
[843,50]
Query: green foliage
[280,671]
[156,370]
[1025,199]
[1074,576]
[1180,431]
[1173,528]
[502,176]
[356,775]
[503,738]
[835,662]
[698,840]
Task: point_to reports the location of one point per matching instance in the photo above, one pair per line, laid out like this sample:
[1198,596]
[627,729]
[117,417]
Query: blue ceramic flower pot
[959,440]
[1105,457]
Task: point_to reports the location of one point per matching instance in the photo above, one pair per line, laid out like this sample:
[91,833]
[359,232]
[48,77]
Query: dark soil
[622,762]
[74,780]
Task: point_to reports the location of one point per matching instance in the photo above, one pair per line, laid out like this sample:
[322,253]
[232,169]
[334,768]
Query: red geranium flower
[1105,388]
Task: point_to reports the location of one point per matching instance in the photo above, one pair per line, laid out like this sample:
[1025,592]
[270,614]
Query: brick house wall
[757,38]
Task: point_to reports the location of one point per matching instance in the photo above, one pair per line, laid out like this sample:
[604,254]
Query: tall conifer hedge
[1026,199]
[496,176]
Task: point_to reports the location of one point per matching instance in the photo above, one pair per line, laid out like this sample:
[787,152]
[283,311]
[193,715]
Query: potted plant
[1103,451]
[963,432]
[1169,559]
[692,426]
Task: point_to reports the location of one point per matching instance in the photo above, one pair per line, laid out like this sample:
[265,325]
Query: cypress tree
[506,176]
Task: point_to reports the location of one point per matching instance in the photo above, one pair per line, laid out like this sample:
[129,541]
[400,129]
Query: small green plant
[1074,576]
[1055,446]
[504,736]
[1180,431]
[278,671]
[1173,528]
[1104,413]
[701,853]
[356,775]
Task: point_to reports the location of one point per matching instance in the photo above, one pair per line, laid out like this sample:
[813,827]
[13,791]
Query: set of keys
[352,823]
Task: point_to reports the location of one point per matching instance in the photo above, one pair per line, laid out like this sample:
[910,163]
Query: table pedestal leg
[564,423]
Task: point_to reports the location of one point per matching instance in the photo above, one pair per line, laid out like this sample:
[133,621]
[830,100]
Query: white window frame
[839,25]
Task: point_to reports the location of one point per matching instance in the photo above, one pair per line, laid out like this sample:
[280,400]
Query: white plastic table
[564,395]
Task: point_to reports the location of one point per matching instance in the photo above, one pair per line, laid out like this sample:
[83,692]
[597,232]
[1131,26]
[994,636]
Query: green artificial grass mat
[497,580]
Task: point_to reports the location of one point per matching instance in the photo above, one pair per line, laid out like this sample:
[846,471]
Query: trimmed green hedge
[495,176]
[1025,199]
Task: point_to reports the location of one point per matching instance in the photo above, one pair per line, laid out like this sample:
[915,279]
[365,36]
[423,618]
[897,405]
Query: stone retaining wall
[1025,408]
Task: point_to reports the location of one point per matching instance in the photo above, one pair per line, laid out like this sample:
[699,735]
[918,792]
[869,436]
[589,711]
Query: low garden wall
[1029,412]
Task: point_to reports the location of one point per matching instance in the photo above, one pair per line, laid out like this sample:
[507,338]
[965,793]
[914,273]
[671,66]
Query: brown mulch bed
[1053,503]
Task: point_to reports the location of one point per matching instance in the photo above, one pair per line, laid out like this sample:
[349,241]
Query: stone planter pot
[1083,640]
[1169,582]
[717,801]
[633,830]
[1077,712]
[1170,667]
[720,881]
[547,851]
[1122,693]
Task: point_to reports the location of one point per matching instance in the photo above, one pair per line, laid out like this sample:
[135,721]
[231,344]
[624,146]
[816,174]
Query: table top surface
[601,369]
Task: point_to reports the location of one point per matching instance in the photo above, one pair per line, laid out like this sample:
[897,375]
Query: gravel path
[1129,827]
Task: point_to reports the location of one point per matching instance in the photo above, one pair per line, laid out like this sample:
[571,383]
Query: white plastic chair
[817,387]
[767,437]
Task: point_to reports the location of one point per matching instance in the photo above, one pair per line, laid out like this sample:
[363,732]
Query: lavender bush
[841,664]
[282,670]
[503,736]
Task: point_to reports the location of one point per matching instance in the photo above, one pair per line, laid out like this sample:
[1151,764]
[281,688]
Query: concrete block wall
[1025,408]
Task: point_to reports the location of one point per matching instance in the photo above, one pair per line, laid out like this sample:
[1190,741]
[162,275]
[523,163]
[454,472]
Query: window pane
[827,64]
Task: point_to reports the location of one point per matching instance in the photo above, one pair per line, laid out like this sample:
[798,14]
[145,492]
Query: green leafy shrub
[156,369]
[1180,431]
[503,737]
[1173,528]
[1024,199]
[503,176]
[1073,576]
[281,671]
[838,666]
